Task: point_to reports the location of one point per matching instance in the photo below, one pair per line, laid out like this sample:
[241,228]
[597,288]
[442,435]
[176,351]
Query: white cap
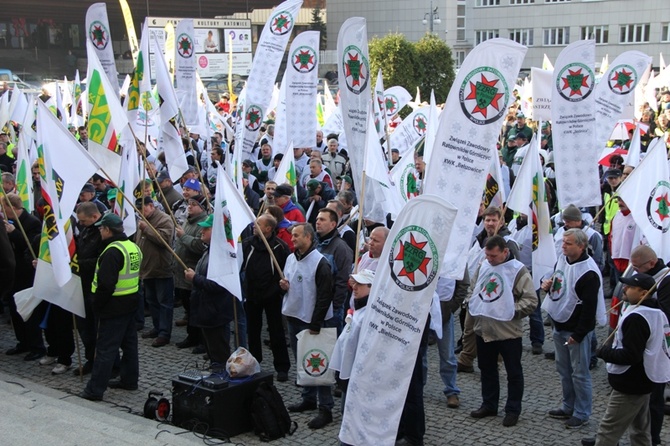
[365,277]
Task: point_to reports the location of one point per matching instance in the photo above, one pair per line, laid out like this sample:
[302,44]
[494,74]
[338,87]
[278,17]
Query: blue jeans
[572,364]
[159,295]
[114,333]
[536,323]
[487,359]
[311,394]
[448,363]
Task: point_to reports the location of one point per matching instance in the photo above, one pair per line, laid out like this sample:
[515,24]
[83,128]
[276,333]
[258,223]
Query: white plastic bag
[242,363]
[314,353]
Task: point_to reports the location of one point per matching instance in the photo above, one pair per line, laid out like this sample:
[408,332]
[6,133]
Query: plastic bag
[314,353]
[242,363]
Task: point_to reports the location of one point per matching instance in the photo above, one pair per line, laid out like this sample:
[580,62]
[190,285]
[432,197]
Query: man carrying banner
[308,304]
[502,297]
[115,298]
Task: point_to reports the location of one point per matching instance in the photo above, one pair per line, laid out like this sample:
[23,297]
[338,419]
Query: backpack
[271,419]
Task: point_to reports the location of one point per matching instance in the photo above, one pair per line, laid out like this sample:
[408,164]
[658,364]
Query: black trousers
[58,334]
[254,310]
[184,295]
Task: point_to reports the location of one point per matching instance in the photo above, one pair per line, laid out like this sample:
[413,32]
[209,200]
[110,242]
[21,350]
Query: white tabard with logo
[493,295]
[562,299]
[301,296]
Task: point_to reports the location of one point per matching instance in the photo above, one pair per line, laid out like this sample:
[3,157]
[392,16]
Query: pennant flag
[128,180]
[546,64]
[329,106]
[60,109]
[573,125]
[379,107]
[170,140]
[661,61]
[286,171]
[615,92]
[467,135]
[106,118]
[168,49]
[100,40]
[281,139]
[494,190]
[414,127]
[646,192]
[634,150]
[395,98]
[394,321]
[185,77]
[140,104]
[541,93]
[18,106]
[605,64]
[130,30]
[528,197]
[431,131]
[231,217]
[301,81]
[268,57]
[4,109]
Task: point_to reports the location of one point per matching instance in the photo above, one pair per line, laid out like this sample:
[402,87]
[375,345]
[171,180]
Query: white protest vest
[344,229]
[300,299]
[476,255]
[524,239]
[562,299]
[656,356]
[623,235]
[493,295]
[344,353]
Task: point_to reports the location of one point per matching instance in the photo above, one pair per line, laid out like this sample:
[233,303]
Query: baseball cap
[142,201]
[111,194]
[364,277]
[110,220]
[346,178]
[283,190]
[312,185]
[208,223]
[613,173]
[162,176]
[640,280]
[192,184]
[520,115]
[520,135]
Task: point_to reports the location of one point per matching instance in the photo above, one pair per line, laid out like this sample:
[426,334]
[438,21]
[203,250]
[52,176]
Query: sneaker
[60,369]
[303,406]
[510,419]
[453,402]
[575,423]
[559,414]
[48,360]
[324,418]
[537,348]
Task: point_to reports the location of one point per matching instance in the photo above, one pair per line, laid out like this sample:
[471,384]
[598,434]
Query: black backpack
[271,419]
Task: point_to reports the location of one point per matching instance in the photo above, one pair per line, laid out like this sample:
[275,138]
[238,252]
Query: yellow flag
[169,49]
[130,28]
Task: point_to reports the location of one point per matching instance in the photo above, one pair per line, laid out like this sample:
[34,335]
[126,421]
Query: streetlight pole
[431,18]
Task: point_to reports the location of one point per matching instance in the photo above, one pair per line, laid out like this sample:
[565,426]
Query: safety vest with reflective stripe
[611,208]
[129,275]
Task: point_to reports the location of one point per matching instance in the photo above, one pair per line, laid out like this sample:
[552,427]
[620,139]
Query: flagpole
[76,343]
[272,254]
[18,223]
[360,221]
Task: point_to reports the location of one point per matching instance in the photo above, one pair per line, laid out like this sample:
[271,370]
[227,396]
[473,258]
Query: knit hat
[571,213]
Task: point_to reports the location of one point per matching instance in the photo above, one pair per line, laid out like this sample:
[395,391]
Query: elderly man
[333,161]
[573,218]
[282,195]
[316,172]
[308,305]
[502,296]
[574,298]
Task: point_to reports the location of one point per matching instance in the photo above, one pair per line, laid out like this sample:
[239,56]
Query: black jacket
[89,247]
[261,278]
[24,272]
[211,304]
[663,290]
[104,304]
[341,258]
[7,261]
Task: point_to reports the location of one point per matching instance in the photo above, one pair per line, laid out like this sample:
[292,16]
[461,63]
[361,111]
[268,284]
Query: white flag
[18,106]
[301,78]
[467,135]
[573,125]
[379,106]
[634,150]
[231,217]
[184,75]
[431,131]
[494,190]
[395,99]
[98,35]
[126,184]
[541,93]
[646,192]
[414,127]
[281,139]
[546,64]
[394,321]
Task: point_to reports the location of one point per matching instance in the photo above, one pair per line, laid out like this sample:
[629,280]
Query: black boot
[324,418]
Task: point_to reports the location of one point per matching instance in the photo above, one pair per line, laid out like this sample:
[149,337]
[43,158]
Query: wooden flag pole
[360,221]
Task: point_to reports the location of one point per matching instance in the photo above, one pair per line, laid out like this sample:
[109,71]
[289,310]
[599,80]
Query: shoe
[453,402]
[85,369]
[337,392]
[266,342]
[33,356]
[160,342]
[510,419]
[404,441]
[462,368]
[139,327]
[88,396]
[593,364]
[118,384]
[16,350]
[324,418]
[537,348]
[282,377]
[178,304]
[48,360]
[575,423]
[550,355]
[199,350]
[559,414]
[60,369]
[483,412]
[304,406]
[590,441]
[150,334]
[181,323]
[186,343]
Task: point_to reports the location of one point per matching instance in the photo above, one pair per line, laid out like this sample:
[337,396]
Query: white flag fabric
[4,109]
[286,171]
[394,321]
[100,38]
[379,106]
[414,127]
[184,74]
[395,99]
[231,217]
[301,79]
[405,179]
[268,57]
[546,64]
[127,182]
[615,91]
[634,150]
[170,140]
[431,131]
[541,93]
[24,181]
[106,118]
[328,102]
[467,135]
[18,106]
[140,104]
[646,192]
[528,197]
[573,125]
[494,190]
[661,61]
[76,118]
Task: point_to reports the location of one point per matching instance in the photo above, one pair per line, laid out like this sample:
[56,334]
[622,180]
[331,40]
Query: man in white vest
[638,358]
[308,303]
[502,296]
[574,301]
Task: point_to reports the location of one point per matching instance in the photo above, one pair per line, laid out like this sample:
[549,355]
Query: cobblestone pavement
[443,426]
